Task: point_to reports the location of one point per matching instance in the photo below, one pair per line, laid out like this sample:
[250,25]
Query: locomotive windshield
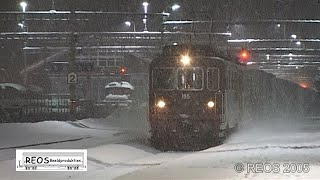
[213,78]
[164,78]
[181,79]
[190,78]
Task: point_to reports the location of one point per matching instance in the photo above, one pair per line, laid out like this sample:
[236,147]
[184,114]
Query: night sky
[190,10]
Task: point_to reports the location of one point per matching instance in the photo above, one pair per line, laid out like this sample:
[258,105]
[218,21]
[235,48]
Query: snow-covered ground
[117,149]
[116,145]
[265,150]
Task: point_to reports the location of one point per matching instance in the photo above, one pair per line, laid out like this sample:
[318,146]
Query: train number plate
[51,160]
[185,96]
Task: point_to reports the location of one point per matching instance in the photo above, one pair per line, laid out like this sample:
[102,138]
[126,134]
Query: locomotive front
[185,102]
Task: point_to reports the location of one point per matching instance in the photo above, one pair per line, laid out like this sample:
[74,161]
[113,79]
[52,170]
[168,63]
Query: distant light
[290,58]
[244,56]
[122,70]
[278,61]
[278,25]
[128,23]
[250,63]
[268,56]
[21,25]
[175,44]
[175,7]
[23,5]
[303,85]
[297,67]
[290,54]
[298,43]
[185,59]
[294,36]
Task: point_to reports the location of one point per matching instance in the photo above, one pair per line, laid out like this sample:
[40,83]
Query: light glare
[185,59]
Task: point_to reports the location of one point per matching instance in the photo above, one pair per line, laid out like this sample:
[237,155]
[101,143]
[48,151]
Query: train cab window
[164,78]
[190,78]
[213,79]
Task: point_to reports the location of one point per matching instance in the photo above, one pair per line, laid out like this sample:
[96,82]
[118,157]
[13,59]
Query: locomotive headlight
[185,59]
[161,104]
[210,104]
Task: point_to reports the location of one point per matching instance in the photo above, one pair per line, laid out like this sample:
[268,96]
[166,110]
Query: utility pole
[72,76]
[25,29]
[52,5]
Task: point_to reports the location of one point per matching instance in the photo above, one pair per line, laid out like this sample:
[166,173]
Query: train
[198,95]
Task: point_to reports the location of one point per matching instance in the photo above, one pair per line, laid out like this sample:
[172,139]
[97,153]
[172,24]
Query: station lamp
[24,6]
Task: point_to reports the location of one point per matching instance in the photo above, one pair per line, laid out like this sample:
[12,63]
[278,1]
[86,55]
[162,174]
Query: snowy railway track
[121,131]
[122,164]
[44,143]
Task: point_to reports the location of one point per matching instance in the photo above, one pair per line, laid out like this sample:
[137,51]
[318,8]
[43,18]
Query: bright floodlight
[128,23]
[294,36]
[145,3]
[175,7]
[185,59]
[23,5]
